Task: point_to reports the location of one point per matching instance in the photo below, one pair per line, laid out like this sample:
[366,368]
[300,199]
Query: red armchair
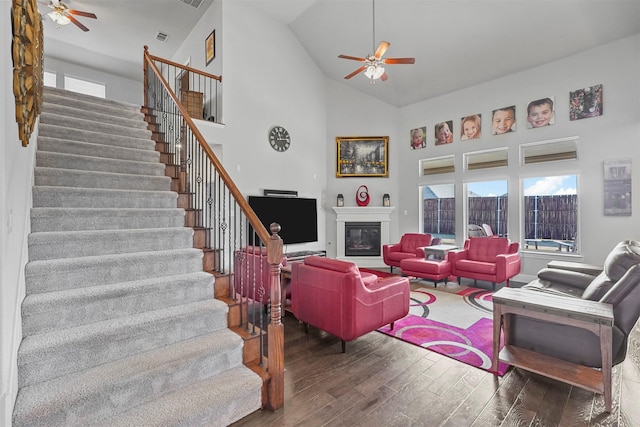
[410,246]
[494,259]
[251,265]
[333,296]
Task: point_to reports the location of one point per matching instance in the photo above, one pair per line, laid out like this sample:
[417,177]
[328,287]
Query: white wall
[268,79]
[15,200]
[614,135]
[352,114]
[117,87]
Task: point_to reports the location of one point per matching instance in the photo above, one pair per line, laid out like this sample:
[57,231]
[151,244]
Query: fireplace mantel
[381,214]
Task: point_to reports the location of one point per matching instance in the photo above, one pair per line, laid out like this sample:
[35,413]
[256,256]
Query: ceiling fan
[374,63]
[62,15]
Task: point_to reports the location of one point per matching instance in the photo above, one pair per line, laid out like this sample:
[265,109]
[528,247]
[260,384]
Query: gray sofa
[617,284]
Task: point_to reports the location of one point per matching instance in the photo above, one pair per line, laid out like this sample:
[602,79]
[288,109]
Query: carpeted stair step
[218,401]
[96,116]
[79,100]
[73,123]
[74,244]
[97,164]
[89,113]
[82,135]
[56,177]
[64,197]
[58,145]
[71,273]
[86,397]
[76,219]
[48,311]
[51,355]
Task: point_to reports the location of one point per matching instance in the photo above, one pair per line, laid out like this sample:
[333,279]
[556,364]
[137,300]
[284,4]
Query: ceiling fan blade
[81,13]
[399,60]
[75,21]
[359,70]
[354,58]
[384,76]
[382,48]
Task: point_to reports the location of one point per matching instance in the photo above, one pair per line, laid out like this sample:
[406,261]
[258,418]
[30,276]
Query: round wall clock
[279,138]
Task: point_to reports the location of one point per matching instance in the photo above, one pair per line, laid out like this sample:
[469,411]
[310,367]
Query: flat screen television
[297,216]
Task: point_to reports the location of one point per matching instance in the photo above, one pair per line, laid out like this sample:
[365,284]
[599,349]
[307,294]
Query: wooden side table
[593,316]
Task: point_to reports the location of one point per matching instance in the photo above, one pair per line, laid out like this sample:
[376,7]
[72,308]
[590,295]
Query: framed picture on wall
[210,47]
[362,156]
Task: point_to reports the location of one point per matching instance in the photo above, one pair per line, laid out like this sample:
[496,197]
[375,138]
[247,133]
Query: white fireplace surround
[362,214]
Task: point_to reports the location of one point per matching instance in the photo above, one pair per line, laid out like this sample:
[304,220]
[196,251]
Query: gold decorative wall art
[28,72]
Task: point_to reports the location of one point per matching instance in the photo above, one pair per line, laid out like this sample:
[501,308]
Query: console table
[590,315]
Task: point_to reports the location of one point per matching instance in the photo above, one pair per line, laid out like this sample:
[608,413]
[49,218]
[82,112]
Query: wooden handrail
[184,67]
[261,231]
[272,241]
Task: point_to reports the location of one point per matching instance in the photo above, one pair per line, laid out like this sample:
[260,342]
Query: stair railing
[225,226]
[199,92]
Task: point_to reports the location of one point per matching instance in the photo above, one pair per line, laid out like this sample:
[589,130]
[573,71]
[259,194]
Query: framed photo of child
[444,132]
[419,138]
[471,127]
[540,112]
[503,120]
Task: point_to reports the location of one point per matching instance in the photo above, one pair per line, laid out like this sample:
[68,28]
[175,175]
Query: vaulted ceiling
[456,43]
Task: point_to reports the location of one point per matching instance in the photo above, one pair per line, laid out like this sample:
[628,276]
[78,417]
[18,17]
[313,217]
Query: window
[84,86]
[550,212]
[50,79]
[486,159]
[549,151]
[439,211]
[487,205]
[437,165]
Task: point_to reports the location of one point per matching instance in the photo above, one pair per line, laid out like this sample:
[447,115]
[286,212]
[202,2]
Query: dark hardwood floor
[382,381]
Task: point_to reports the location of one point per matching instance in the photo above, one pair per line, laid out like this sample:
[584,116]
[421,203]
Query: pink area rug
[457,323]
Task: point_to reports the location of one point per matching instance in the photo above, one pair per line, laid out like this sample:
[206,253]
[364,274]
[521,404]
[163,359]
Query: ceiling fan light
[58,18]
[374,72]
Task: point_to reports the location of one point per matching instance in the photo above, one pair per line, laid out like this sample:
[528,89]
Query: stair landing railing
[224,223]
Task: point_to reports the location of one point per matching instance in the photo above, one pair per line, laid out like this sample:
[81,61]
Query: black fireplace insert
[362,238]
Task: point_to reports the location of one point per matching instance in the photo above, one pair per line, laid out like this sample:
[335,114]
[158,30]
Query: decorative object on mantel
[340,202]
[363,156]
[386,200]
[362,196]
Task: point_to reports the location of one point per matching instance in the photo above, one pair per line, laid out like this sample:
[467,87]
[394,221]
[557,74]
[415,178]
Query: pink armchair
[410,246]
[494,259]
[333,296]
[251,265]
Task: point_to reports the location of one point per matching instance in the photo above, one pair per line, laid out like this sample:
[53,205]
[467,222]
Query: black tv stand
[301,255]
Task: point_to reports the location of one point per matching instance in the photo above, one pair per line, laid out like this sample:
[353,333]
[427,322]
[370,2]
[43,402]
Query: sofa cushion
[487,249]
[476,266]
[331,264]
[410,241]
[625,255]
[597,288]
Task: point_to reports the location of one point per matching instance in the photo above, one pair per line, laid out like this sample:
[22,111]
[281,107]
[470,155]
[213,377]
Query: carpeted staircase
[120,325]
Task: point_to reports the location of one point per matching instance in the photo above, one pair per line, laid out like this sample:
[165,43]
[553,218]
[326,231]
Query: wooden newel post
[275,329]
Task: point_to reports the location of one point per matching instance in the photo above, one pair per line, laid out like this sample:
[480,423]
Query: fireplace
[368,254]
[362,238]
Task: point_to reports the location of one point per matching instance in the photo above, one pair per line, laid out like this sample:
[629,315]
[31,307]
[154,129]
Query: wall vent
[194,3]
[162,36]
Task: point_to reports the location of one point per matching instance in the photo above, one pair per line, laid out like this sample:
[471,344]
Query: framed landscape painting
[362,156]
